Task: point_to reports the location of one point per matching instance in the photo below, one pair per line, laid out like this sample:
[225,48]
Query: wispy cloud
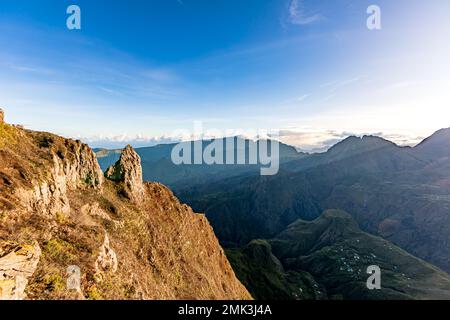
[160,75]
[299,15]
[336,85]
[301,98]
[297,99]
[31,69]
[401,85]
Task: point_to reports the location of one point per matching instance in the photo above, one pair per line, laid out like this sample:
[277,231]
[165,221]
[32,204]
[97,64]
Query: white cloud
[299,16]
[317,140]
[120,141]
[303,138]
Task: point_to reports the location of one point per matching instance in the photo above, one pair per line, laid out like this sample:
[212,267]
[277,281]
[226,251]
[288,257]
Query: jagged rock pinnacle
[2,116]
[129,171]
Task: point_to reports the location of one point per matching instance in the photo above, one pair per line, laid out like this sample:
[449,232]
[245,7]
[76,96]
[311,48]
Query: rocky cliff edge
[67,232]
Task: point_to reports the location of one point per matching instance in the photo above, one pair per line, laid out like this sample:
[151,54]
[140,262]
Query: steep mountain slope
[328,258]
[129,239]
[391,191]
[368,152]
[298,191]
[245,208]
[436,146]
[266,278]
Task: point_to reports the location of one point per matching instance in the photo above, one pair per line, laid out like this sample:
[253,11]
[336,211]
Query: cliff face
[68,233]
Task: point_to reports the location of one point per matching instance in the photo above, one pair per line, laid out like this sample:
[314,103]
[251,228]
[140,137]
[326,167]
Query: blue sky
[139,70]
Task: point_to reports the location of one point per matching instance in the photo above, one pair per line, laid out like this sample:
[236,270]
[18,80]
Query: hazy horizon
[118,143]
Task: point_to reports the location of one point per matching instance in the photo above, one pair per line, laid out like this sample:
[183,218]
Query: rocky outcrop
[107,259]
[94,210]
[53,194]
[17,265]
[80,170]
[2,116]
[128,170]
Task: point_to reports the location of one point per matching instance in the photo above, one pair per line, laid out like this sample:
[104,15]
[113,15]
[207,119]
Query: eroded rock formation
[128,170]
[107,259]
[53,195]
[17,265]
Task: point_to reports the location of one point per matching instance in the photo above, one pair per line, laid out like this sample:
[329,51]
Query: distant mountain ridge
[400,194]
[161,169]
[158,166]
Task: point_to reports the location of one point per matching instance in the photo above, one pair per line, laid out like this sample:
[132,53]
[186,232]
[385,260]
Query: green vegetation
[45,141]
[263,274]
[93,293]
[400,194]
[54,282]
[7,135]
[328,258]
[60,251]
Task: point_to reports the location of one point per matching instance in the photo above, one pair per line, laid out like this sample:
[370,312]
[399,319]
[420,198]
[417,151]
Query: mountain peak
[128,170]
[435,146]
[353,145]
[440,136]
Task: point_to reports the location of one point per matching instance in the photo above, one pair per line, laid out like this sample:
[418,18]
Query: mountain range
[158,165]
[396,194]
[309,232]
